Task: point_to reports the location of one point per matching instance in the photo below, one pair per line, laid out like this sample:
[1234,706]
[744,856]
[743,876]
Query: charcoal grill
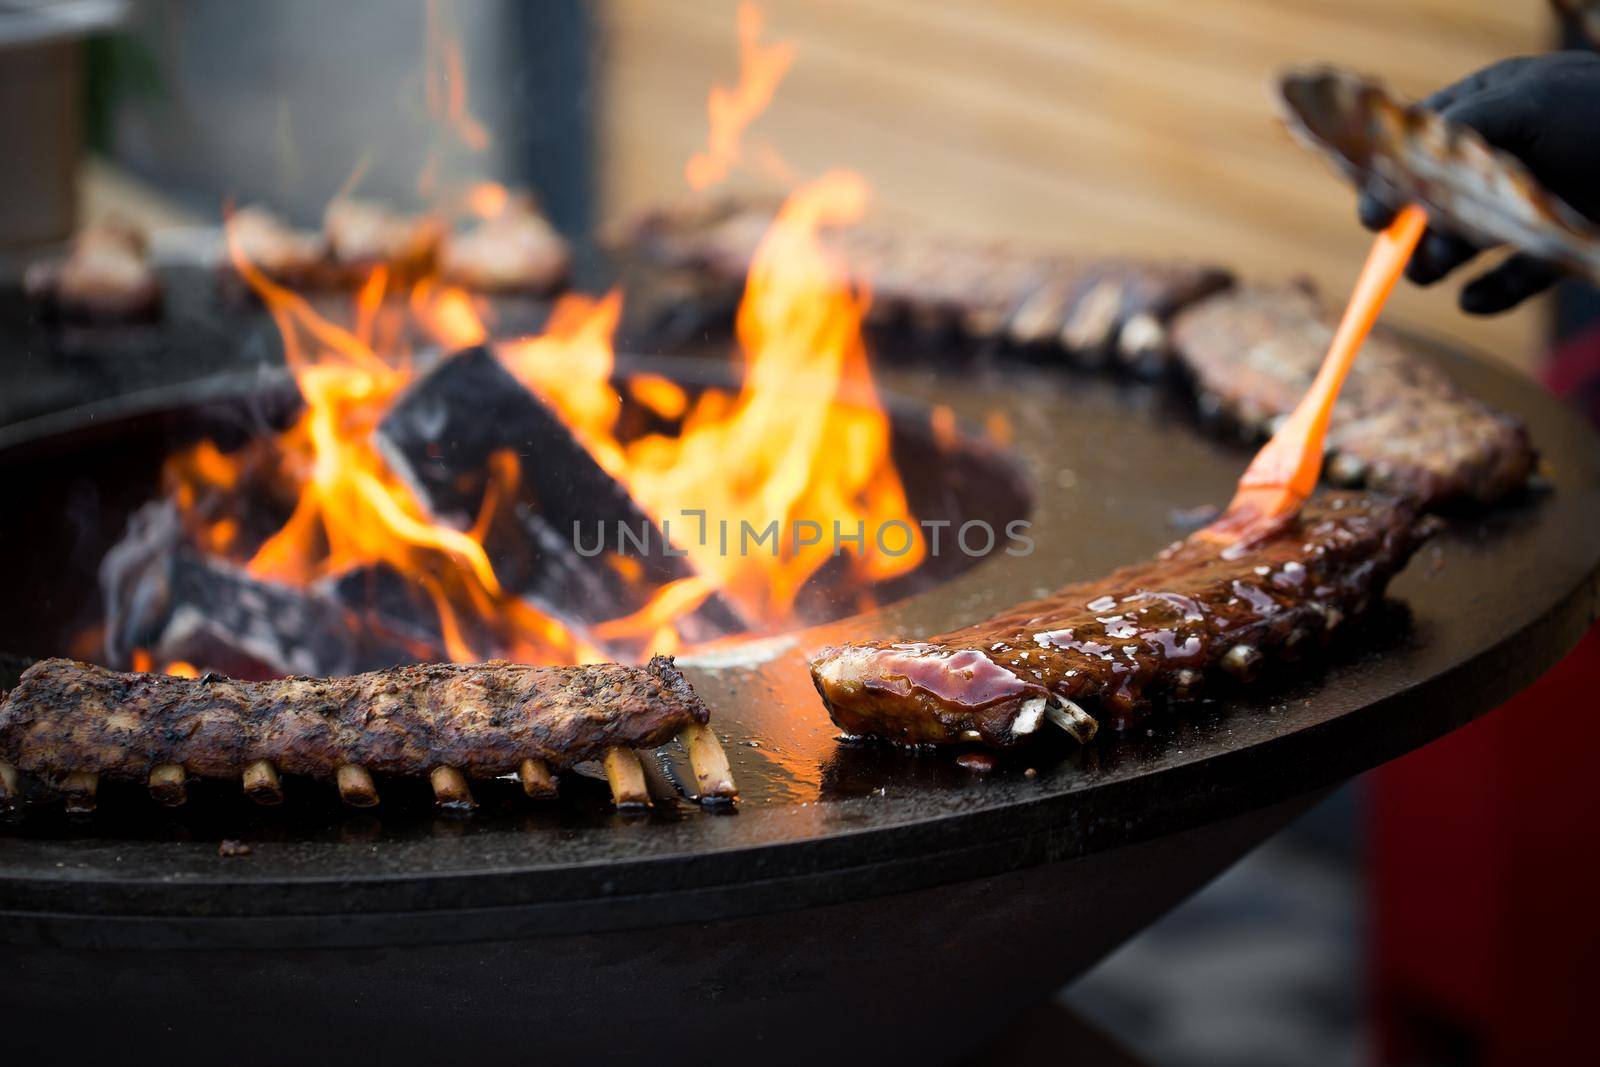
[863,904]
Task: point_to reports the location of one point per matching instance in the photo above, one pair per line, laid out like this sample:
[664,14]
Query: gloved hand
[1545,110]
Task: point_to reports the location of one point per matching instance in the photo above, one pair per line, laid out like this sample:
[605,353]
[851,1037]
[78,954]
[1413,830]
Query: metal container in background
[293,102]
[42,124]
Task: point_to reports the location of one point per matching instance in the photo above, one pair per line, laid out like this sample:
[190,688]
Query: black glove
[1545,110]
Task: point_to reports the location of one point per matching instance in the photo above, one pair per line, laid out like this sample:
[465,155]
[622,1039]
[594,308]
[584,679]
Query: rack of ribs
[1109,650]
[1094,309]
[1401,425]
[106,276]
[73,723]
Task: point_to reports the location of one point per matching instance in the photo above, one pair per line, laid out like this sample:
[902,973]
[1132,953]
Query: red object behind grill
[1485,879]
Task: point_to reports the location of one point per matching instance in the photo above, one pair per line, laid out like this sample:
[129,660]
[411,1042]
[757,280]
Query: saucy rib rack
[1110,649]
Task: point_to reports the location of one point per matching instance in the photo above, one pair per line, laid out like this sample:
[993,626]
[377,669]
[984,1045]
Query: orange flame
[569,367]
[144,663]
[805,440]
[352,511]
[803,447]
[663,396]
[730,110]
[448,313]
[445,80]
[790,473]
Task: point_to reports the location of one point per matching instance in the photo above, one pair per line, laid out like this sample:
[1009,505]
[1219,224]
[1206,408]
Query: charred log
[444,437]
[174,603]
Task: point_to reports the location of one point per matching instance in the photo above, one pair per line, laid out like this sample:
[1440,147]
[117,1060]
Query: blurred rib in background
[1108,125]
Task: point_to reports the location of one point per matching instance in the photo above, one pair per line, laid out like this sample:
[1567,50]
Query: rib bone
[450,789]
[80,788]
[355,786]
[713,777]
[1073,719]
[167,784]
[626,775]
[537,780]
[261,783]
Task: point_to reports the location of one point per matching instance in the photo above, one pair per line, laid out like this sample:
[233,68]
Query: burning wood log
[442,437]
[394,611]
[1093,309]
[179,605]
[445,722]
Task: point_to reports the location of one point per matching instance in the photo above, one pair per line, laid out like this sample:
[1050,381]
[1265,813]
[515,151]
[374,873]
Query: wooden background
[1130,125]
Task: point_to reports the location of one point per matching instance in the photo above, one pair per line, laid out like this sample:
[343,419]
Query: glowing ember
[178,668]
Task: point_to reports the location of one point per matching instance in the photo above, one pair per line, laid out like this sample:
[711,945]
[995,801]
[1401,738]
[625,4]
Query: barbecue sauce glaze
[1149,632]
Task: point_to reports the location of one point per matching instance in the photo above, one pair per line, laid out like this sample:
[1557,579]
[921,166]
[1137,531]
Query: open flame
[352,511]
[730,110]
[801,452]
[445,80]
[797,457]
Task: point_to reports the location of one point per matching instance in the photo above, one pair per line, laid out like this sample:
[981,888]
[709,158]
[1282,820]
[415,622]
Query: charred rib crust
[484,719]
[1141,634]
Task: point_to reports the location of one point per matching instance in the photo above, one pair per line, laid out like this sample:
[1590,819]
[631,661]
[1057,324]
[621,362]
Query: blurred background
[1422,916]
[1141,126]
